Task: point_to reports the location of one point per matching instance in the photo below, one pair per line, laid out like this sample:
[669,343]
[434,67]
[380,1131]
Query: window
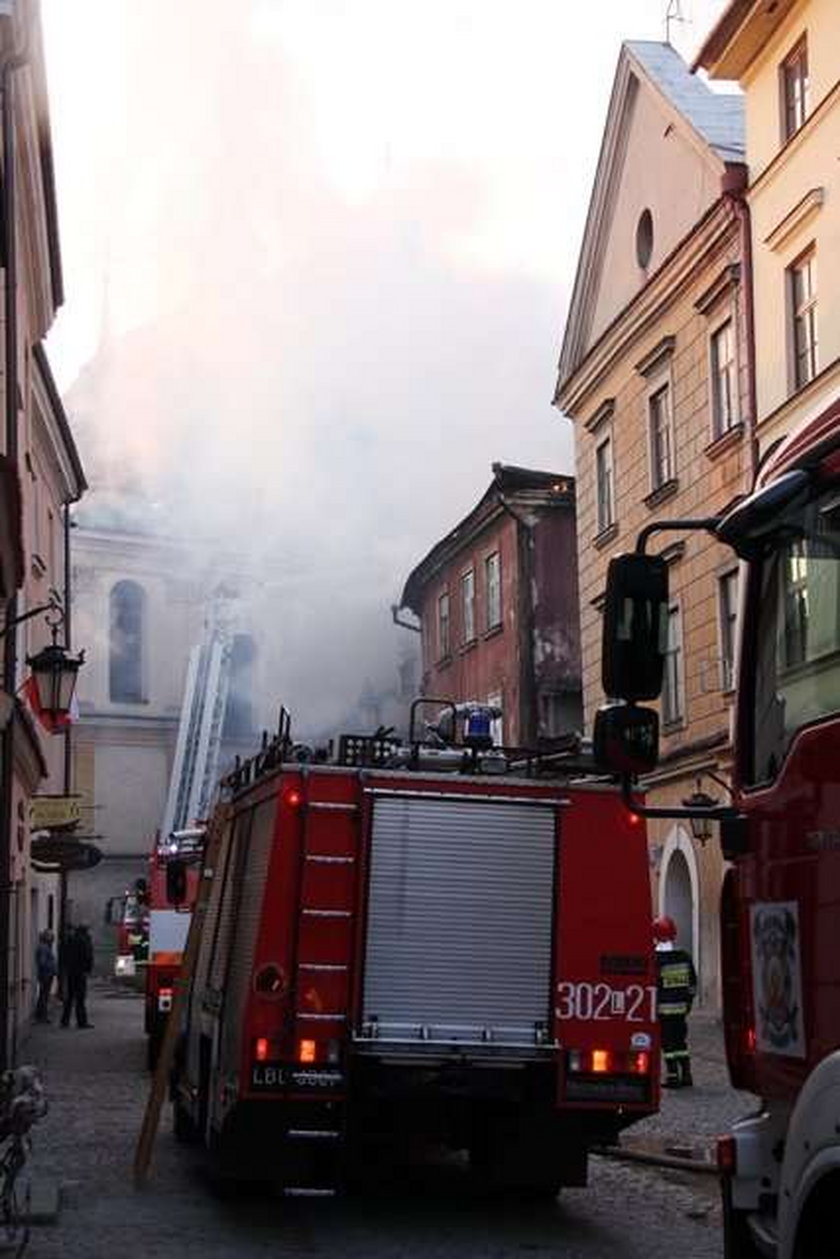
[795,647]
[128,610]
[661,445]
[604,484]
[443,625]
[497,723]
[728,608]
[673,698]
[493,588]
[468,606]
[803,305]
[794,84]
[724,379]
[644,238]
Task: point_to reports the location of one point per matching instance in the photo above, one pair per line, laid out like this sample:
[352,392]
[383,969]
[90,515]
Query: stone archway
[679,893]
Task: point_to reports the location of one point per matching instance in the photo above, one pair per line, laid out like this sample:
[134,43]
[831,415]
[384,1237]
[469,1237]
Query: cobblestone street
[97,1086]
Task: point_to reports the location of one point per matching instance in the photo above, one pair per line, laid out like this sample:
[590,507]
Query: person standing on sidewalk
[45,968]
[77,964]
[675,992]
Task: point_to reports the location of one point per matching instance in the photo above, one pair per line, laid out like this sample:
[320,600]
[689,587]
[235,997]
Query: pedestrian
[77,964]
[675,992]
[45,969]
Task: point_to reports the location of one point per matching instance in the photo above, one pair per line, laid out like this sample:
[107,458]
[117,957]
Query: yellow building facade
[655,374]
[786,60]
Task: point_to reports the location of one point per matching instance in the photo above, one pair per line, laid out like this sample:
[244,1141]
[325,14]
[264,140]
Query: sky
[317,259]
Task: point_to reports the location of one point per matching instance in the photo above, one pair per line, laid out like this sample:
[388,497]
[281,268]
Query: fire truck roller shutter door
[460,918]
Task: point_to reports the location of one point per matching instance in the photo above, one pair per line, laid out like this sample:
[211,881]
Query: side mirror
[635,637]
[176,882]
[626,739]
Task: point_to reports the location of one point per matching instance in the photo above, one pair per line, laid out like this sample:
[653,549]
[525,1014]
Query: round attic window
[644,238]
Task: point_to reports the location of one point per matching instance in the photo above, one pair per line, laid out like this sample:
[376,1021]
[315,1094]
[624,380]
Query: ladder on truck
[329,847]
[193,781]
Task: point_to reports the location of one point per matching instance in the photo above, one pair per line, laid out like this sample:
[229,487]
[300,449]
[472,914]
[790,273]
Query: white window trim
[809,253]
[662,379]
[467,573]
[605,438]
[494,624]
[443,650]
[726,316]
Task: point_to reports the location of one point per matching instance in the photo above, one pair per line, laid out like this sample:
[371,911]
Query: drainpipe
[16,58]
[734,188]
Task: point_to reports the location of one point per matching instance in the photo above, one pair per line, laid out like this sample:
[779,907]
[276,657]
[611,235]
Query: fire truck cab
[439,940]
[780,906]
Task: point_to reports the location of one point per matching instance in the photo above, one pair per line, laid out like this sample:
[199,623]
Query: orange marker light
[600,1061]
[306,1051]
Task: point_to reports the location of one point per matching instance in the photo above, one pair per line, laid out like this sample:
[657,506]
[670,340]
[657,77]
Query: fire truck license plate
[635,1003]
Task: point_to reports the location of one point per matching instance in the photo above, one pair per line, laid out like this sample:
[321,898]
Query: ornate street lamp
[701,827]
[54,673]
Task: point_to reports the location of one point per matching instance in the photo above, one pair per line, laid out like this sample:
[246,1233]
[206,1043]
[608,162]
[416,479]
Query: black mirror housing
[626,739]
[635,634]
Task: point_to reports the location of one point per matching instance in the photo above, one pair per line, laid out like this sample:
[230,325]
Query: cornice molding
[722,286]
[604,413]
[795,219]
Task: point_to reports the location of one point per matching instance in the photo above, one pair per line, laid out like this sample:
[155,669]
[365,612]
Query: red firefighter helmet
[664,929]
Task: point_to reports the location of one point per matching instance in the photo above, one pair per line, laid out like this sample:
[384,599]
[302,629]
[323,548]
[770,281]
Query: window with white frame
[802,283]
[468,606]
[497,723]
[724,381]
[661,438]
[795,85]
[493,590]
[673,690]
[604,484]
[728,611]
[443,625]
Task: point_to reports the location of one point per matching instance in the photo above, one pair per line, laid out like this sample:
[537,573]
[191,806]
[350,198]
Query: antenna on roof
[673,13]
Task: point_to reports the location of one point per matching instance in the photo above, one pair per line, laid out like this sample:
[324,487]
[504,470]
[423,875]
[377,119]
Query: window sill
[606,536]
[732,437]
[37,565]
[469,645]
[662,493]
[492,631]
[444,662]
[675,726]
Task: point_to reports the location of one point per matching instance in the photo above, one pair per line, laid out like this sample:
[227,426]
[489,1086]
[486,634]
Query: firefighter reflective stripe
[676,975]
[677,982]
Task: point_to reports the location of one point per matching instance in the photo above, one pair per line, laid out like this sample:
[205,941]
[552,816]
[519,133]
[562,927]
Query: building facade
[655,373]
[141,603]
[497,603]
[41,475]
[785,58]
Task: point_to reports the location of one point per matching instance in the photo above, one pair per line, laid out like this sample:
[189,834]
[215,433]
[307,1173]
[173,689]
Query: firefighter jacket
[676,982]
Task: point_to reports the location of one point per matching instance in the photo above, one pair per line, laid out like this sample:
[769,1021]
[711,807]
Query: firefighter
[676,989]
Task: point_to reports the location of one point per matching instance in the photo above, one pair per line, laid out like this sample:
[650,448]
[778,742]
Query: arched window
[128,615]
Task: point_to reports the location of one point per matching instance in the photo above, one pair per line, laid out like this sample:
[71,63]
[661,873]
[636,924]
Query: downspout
[734,187]
[527,689]
[14,61]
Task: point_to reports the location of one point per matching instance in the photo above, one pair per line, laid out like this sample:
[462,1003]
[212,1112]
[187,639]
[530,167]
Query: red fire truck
[439,938]
[780,911]
[174,872]
[129,914]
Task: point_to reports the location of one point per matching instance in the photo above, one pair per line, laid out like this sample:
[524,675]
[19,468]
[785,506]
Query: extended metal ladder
[193,781]
[325,934]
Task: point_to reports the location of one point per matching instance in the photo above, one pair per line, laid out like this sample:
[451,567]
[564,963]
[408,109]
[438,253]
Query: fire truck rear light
[640,1063]
[749,1040]
[293,798]
[307,1051]
[261,1049]
[727,1155]
[333,1051]
[601,1061]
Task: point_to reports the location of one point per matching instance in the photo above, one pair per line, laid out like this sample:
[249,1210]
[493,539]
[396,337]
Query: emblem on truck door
[777,977]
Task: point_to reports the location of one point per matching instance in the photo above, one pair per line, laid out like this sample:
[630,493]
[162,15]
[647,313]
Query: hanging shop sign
[64,854]
[47,812]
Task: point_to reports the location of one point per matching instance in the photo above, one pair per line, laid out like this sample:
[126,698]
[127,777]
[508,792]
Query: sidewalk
[684,1132]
